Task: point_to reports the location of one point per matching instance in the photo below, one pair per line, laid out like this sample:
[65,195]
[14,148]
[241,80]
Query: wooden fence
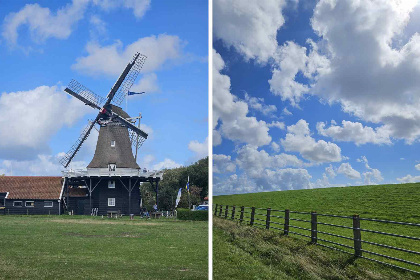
[344,236]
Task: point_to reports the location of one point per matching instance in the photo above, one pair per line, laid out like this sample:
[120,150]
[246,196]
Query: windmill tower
[110,184]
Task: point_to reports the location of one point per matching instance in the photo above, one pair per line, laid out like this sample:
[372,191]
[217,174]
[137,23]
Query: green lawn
[64,247]
[389,202]
[243,252]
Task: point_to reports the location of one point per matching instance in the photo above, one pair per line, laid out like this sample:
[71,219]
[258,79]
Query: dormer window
[112,143]
[112,167]
[111,184]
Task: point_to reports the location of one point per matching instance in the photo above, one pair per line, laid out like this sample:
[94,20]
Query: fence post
[357,236]
[286,221]
[251,223]
[215,210]
[220,210]
[241,218]
[267,220]
[314,227]
[226,211]
[233,212]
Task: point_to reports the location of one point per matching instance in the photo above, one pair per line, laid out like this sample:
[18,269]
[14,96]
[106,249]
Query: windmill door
[80,207]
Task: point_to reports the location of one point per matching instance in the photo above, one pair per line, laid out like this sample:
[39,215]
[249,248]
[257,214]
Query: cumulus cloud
[249,26]
[373,63]
[409,179]
[110,60]
[42,23]
[201,150]
[348,171]
[30,118]
[277,124]
[139,7]
[355,132]
[255,162]
[259,105]
[147,84]
[417,166]
[330,172]
[298,139]
[275,146]
[223,164]
[166,164]
[232,113]
[372,176]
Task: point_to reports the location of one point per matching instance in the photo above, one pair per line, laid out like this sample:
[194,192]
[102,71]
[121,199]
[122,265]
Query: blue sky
[310,94]
[45,45]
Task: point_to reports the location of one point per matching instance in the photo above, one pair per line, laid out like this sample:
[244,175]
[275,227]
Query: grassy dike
[244,252]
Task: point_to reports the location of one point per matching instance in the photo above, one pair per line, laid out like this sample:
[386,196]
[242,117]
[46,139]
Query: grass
[388,202]
[76,247]
[243,252]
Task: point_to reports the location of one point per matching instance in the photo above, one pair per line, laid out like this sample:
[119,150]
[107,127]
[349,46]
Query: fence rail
[309,226]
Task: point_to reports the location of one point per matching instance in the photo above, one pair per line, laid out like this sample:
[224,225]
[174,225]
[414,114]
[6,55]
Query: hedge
[186,214]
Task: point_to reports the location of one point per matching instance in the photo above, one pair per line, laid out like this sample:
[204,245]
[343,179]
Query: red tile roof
[31,187]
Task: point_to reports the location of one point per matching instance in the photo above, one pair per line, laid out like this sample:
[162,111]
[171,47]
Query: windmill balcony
[105,172]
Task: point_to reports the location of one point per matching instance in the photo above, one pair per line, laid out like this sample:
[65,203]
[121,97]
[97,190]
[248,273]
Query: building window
[17,204]
[112,143]
[111,201]
[112,167]
[48,204]
[111,184]
[29,204]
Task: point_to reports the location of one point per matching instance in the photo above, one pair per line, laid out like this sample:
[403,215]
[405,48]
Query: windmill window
[112,143]
[48,204]
[17,203]
[112,166]
[111,184]
[29,204]
[111,201]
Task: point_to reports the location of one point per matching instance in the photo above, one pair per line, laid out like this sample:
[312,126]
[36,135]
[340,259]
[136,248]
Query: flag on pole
[132,92]
[178,198]
[187,187]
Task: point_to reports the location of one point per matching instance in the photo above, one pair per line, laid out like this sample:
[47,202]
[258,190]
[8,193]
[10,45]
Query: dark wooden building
[31,195]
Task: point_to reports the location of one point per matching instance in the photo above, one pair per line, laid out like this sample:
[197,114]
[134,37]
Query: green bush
[186,214]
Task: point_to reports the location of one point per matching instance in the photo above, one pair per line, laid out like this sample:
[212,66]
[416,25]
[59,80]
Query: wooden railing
[344,236]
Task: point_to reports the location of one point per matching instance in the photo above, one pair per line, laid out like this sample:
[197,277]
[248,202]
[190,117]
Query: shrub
[186,214]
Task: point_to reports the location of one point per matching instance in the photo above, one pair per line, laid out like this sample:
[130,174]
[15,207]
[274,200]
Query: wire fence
[338,232]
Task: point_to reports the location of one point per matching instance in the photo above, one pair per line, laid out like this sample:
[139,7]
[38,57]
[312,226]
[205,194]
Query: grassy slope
[40,247]
[242,252]
[390,202]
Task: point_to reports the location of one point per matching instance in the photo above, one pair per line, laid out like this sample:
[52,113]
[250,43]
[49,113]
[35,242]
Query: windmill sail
[85,95]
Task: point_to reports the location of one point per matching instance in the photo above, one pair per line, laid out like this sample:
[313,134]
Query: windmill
[109,113]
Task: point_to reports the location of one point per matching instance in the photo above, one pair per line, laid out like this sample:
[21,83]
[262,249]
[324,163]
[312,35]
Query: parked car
[202,208]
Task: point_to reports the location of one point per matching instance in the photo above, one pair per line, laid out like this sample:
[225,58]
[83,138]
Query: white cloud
[409,179]
[259,105]
[329,170]
[373,62]
[232,113]
[42,23]
[249,26]
[372,176]
[201,150]
[417,166]
[275,146]
[355,132]
[256,162]
[112,59]
[30,118]
[298,139]
[148,84]
[286,112]
[276,124]
[166,163]
[139,7]
[217,138]
[223,164]
[348,171]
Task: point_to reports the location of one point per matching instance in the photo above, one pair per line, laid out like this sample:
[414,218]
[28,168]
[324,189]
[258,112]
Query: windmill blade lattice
[65,160]
[129,79]
[85,93]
